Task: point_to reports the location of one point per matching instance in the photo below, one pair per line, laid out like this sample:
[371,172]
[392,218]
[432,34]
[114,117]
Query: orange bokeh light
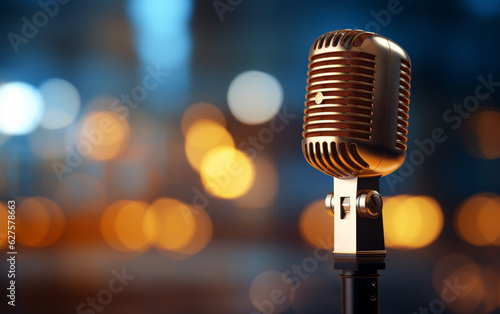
[176,224]
[203,136]
[103,135]
[200,111]
[227,173]
[476,220]
[316,225]
[134,228]
[483,126]
[411,221]
[3,221]
[32,222]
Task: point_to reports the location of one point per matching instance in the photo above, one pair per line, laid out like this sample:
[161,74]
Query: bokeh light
[21,108]
[178,230]
[316,225]
[483,134]
[107,225]
[175,223]
[3,221]
[476,220]
[134,227]
[263,191]
[200,111]
[201,238]
[411,222]
[227,173]
[254,97]
[39,222]
[57,220]
[271,292]
[203,136]
[103,135]
[62,103]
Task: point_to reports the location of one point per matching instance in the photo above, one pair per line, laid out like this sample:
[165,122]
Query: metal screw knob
[329,202]
[369,204]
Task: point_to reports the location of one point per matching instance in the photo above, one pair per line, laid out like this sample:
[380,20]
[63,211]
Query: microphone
[355,130]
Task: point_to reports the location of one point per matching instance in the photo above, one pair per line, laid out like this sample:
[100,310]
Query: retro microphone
[355,130]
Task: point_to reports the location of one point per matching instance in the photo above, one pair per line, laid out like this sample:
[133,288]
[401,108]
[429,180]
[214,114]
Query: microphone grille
[403,105]
[339,97]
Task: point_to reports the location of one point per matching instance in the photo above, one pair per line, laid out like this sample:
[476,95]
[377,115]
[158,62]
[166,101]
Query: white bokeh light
[254,97]
[62,103]
[21,108]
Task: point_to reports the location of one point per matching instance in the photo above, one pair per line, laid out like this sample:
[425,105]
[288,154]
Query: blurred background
[153,150]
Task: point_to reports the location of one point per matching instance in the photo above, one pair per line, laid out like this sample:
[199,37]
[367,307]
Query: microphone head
[357,104]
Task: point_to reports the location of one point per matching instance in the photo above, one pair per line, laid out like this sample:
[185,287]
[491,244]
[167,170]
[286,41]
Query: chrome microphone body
[355,130]
[357,105]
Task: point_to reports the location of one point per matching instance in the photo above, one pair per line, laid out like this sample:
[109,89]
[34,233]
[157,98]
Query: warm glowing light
[134,227]
[39,222]
[176,224]
[202,236]
[254,97]
[203,136]
[316,225]
[200,111]
[108,225]
[411,221]
[476,220]
[21,108]
[263,191]
[3,221]
[483,134]
[62,103]
[271,285]
[103,135]
[32,222]
[176,229]
[227,172]
[57,220]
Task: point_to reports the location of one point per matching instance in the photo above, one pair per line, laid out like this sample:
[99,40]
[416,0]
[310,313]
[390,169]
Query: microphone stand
[359,249]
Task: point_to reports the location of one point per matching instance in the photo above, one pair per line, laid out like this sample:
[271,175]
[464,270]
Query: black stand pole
[360,291]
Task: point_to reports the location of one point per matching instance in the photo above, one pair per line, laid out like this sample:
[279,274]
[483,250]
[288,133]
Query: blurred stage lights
[173,227]
[39,222]
[483,134]
[476,220]
[316,225]
[227,172]
[411,222]
[62,103]
[103,136]
[254,97]
[4,214]
[21,108]
[201,111]
[203,136]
